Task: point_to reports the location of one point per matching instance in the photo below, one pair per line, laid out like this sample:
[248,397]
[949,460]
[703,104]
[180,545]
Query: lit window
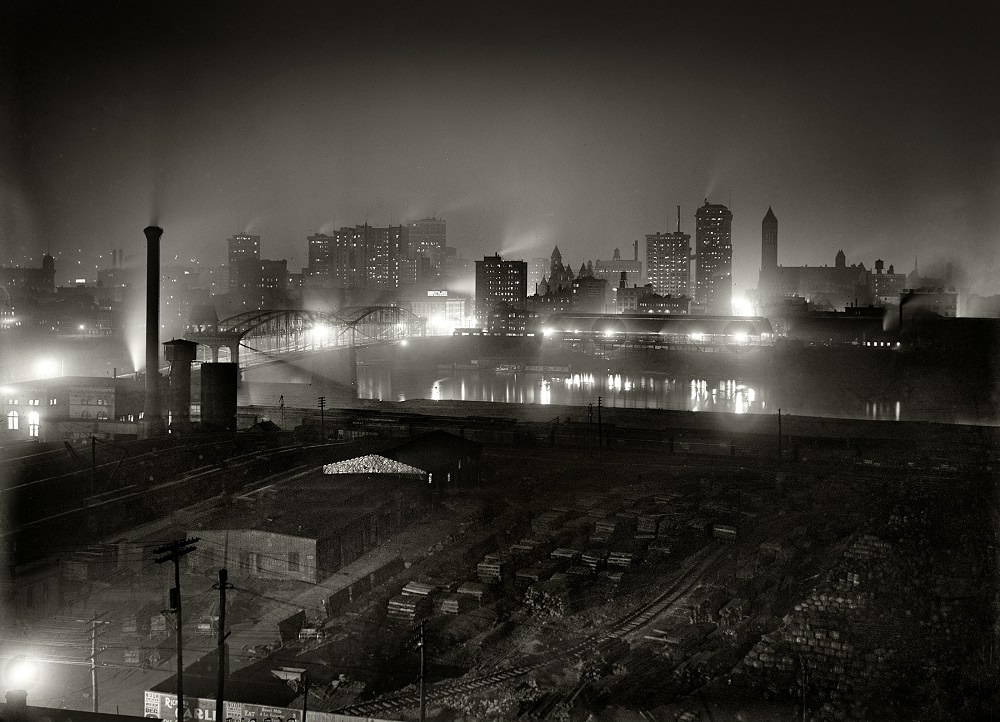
[12,421]
[33,423]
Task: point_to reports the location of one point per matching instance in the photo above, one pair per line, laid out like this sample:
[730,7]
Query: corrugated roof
[371,464]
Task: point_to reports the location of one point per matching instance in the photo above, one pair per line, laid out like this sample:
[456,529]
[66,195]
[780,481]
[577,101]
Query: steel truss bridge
[254,337]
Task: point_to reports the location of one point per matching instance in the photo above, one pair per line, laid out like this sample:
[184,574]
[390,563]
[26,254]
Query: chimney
[152,410]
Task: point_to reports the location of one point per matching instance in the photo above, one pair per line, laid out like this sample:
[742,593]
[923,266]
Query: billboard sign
[164,706]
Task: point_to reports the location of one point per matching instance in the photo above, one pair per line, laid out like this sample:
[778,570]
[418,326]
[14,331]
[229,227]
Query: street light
[21,674]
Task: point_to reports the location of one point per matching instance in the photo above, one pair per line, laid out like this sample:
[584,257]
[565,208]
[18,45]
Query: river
[646,391]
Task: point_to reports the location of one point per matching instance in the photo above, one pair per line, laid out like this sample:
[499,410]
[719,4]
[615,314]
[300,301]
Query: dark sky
[870,127]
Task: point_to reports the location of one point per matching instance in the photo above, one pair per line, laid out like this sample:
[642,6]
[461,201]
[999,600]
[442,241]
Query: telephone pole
[321,401]
[422,645]
[93,657]
[173,552]
[600,433]
[222,586]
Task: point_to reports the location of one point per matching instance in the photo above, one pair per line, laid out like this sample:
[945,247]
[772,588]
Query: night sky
[868,127]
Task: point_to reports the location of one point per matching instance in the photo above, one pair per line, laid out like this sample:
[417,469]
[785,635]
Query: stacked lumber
[606,527]
[621,559]
[548,523]
[537,572]
[565,554]
[418,589]
[490,569]
[648,524]
[406,608]
[580,570]
[518,551]
[595,558]
[455,603]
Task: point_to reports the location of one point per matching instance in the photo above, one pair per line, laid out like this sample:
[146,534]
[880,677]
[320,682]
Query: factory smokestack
[152,410]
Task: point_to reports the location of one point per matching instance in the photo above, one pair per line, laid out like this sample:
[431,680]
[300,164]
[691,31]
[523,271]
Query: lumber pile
[595,558]
[490,569]
[407,608]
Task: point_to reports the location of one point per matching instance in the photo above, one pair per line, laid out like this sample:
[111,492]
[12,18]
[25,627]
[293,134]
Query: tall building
[769,241]
[333,257]
[668,261]
[241,247]
[714,258]
[500,284]
[612,270]
[361,256]
[538,269]
[427,237]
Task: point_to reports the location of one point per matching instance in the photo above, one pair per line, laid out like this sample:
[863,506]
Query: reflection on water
[619,390]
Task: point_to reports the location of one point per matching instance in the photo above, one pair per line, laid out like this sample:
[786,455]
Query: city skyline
[524,127]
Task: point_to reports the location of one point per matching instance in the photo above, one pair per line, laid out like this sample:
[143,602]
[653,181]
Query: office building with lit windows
[668,263]
[361,256]
[427,238]
[242,247]
[500,285]
[714,259]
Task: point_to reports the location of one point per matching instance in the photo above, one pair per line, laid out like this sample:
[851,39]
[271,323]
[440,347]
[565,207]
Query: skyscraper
[500,283]
[242,247]
[714,258]
[359,257]
[333,257]
[769,241]
[428,237]
[668,261]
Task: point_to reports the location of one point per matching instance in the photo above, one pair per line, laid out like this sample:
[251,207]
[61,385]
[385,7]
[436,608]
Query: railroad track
[685,579]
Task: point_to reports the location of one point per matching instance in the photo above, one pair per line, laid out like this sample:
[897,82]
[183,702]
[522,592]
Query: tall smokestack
[153,412]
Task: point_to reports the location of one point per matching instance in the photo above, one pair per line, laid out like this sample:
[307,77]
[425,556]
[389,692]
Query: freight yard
[692,590]
[576,585]
[585,582]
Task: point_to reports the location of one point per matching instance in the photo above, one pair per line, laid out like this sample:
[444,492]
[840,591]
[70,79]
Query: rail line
[687,577]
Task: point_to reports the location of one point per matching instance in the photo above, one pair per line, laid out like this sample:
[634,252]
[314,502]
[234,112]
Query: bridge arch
[252,336]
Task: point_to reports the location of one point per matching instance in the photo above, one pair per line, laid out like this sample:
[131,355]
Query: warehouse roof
[371,464]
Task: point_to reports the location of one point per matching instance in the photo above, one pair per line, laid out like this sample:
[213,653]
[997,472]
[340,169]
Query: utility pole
[321,402]
[173,552]
[590,429]
[222,586]
[600,433]
[93,662]
[779,437]
[423,710]
[93,467]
